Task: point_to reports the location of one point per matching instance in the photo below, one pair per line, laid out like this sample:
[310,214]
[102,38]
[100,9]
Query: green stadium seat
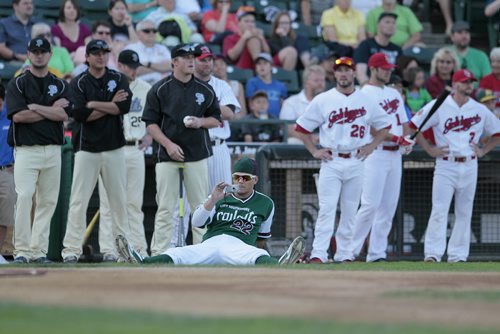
[494,31]
[95,9]
[6,8]
[48,9]
[7,70]
[238,74]
[289,78]
[266,28]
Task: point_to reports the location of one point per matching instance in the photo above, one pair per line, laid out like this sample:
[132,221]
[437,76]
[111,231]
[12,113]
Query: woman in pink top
[219,22]
[69,32]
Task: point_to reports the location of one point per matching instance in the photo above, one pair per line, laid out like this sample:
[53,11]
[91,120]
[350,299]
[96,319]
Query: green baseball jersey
[243,219]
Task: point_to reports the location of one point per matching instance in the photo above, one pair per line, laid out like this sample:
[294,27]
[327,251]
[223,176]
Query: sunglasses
[246,178]
[344,61]
[149,31]
[107,33]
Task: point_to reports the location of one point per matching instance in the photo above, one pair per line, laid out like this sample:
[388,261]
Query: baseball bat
[181,240]
[90,227]
[439,101]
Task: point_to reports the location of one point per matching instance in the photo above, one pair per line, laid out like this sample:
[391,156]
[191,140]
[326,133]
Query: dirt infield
[379,297]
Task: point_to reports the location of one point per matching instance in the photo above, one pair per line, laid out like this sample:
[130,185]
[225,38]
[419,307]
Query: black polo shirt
[168,102]
[105,133]
[27,89]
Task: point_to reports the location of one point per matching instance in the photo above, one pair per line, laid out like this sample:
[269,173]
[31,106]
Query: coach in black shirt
[37,104]
[100,96]
[179,110]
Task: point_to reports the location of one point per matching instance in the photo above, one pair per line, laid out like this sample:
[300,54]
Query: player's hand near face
[323,154]
[175,152]
[218,191]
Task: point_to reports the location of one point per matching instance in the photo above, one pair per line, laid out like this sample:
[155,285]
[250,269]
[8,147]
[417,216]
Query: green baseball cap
[245,165]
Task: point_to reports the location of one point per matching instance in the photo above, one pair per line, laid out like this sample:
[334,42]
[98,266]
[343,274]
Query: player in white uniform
[383,168]
[458,125]
[219,164]
[345,117]
[137,140]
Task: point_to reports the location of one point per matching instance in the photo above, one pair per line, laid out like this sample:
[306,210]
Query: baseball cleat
[294,251]
[126,251]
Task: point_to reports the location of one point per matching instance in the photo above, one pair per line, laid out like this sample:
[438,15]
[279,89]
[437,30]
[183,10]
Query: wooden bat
[439,101]
[181,239]
[90,227]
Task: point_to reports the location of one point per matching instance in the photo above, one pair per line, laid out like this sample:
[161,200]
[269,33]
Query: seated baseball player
[238,221]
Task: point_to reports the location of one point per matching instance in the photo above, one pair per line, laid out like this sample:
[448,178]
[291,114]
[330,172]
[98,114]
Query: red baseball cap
[344,61]
[379,60]
[204,51]
[463,75]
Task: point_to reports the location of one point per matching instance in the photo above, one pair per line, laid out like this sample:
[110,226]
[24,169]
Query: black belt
[134,142]
[6,166]
[459,159]
[390,148]
[217,141]
[344,155]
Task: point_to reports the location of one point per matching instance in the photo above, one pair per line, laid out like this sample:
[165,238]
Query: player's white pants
[37,169]
[219,166]
[451,178]
[221,249]
[88,166]
[337,178]
[379,199]
[136,173]
[167,196]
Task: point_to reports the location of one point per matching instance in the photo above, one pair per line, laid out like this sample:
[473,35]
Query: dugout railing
[287,174]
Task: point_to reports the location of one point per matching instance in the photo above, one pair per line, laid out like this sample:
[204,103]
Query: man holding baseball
[179,111]
[458,125]
[238,224]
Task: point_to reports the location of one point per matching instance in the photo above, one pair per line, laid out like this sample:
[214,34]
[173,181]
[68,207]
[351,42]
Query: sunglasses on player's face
[343,61]
[244,177]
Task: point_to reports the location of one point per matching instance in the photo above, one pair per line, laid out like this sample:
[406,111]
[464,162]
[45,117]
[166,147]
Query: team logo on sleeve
[52,90]
[457,124]
[111,85]
[390,106]
[200,98]
[344,115]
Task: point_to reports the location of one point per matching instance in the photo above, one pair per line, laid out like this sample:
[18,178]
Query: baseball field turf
[399,297]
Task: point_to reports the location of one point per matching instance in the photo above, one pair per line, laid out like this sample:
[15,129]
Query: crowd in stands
[261,41]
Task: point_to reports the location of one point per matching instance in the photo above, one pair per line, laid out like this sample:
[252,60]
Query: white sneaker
[126,251]
[294,251]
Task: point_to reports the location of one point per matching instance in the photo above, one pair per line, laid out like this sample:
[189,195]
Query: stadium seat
[494,31]
[48,9]
[7,71]
[6,8]
[423,55]
[290,78]
[266,28]
[238,74]
[95,9]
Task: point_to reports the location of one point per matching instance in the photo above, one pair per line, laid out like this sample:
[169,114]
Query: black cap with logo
[97,45]
[39,44]
[185,50]
[129,58]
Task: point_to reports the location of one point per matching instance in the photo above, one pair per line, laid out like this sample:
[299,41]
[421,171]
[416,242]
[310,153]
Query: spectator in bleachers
[288,48]
[263,81]
[14,31]
[416,94]
[259,109]
[486,97]
[444,63]
[408,27]
[293,107]
[60,62]
[168,11]
[492,7]
[327,63]
[100,30]
[343,27]
[69,32]
[313,9]
[191,8]
[218,23]
[220,71]
[470,58]
[154,57]
[139,9]
[404,63]
[120,21]
[244,47]
[364,6]
[492,80]
[386,28]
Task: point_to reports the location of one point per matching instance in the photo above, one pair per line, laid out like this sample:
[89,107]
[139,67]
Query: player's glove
[403,141]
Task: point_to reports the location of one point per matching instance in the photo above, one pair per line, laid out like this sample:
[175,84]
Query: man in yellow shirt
[343,24]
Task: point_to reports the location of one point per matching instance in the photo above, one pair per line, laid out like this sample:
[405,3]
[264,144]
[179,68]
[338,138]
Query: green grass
[19,319]
[481,296]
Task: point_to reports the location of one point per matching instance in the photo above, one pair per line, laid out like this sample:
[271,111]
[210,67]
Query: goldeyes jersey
[133,126]
[458,127]
[392,102]
[243,219]
[225,96]
[344,121]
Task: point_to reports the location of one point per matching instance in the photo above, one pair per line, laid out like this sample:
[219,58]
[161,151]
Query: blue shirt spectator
[6,152]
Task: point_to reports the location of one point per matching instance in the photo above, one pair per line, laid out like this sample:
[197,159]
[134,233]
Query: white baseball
[188,120]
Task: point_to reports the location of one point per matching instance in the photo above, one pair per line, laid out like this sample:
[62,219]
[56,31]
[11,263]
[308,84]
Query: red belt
[344,155]
[390,148]
[459,159]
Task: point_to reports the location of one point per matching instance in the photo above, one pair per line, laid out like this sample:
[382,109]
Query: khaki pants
[167,196]
[37,168]
[88,166]
[136,173]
